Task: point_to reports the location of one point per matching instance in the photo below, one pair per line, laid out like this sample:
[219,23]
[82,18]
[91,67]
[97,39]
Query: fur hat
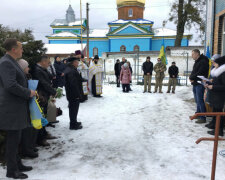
[23,63]
[78,52]
[220,61]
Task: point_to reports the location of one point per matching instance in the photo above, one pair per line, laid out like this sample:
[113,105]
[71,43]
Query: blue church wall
[157,43]
[76,31]
[144,44]
[103,46]
[130,30]
[64,41]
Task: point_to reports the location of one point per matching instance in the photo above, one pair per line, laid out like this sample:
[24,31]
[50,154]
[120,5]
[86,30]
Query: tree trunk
[180,23]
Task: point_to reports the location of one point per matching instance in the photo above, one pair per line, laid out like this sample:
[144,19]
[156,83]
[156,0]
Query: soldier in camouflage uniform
[159,69]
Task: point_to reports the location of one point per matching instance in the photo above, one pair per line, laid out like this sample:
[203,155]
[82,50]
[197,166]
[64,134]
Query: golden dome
[130,2]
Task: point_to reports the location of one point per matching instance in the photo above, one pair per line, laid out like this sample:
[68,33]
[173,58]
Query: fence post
[187,70]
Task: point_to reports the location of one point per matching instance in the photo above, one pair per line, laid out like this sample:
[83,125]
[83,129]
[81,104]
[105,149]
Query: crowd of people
[80,77]
[208,87]
[74,73]
[123,73]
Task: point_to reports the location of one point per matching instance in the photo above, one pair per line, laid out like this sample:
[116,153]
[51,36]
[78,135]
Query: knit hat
[78,52]
[215,56]
[23,63]
[125,65]
[220,61]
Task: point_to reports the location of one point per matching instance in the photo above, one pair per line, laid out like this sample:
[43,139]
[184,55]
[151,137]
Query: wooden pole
[215,147]
[87,5]
[216,138]
[81,25]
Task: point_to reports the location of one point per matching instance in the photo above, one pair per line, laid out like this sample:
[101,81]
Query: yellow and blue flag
[162,54]
[209,56]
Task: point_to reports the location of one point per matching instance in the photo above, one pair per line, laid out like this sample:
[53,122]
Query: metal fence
[183,62]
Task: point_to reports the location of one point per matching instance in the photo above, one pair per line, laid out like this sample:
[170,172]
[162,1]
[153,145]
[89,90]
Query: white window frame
[223,35]
[130,12]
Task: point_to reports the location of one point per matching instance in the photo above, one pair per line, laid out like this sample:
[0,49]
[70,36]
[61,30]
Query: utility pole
[87,5]
[81,25]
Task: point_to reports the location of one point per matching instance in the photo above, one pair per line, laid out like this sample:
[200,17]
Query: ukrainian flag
[162,54]
[209,56]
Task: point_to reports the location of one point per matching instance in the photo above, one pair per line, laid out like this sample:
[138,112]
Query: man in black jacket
[117,72]
[45,90]
[72,84]
[147,68]
[200,68]
[173,72]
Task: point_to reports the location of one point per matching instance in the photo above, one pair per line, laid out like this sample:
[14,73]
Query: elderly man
[200,68]
[14,112]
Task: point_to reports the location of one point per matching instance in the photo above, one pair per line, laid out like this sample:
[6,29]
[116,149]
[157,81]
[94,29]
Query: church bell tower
[130,9]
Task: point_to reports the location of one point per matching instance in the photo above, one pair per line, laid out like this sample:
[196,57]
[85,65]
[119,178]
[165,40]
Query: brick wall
[138,12]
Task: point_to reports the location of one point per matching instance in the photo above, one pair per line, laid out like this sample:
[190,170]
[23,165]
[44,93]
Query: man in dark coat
[147,68]
[14,109]
[117,72]
[173,72]
[45,90]
[72,84]
[200,68]
[59,68]
[122,63]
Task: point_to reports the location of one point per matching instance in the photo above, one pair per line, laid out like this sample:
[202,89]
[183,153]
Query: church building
[129,33]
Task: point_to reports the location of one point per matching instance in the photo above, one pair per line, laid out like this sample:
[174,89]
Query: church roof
[130,2]
[62,48]
[166,32]
[136,21]
[97,33]
[64,22]
[63,34]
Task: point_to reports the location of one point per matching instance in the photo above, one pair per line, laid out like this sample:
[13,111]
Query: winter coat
[120,66]
[131,70]
[147,67]
[14,95]
[125,75]
[173,71]
[159,69]
[117,69]
[200,68]
[59,68]
[73,82]
[44,88]
[217,93]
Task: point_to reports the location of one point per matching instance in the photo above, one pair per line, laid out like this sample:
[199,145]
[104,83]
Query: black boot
[16,175]
[75,126]
[213,132]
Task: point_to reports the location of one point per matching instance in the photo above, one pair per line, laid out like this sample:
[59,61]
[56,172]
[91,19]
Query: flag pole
[81,25]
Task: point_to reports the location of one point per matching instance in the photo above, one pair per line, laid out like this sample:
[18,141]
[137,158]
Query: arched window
[122,48]
[130,13]
[136,48]
[95,51]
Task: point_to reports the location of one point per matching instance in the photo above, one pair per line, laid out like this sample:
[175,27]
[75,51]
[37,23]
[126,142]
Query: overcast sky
[39,14]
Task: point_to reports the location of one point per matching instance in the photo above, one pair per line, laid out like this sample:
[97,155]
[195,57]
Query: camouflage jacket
[159,69]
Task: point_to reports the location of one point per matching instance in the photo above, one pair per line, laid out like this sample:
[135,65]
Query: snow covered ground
[131,136]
